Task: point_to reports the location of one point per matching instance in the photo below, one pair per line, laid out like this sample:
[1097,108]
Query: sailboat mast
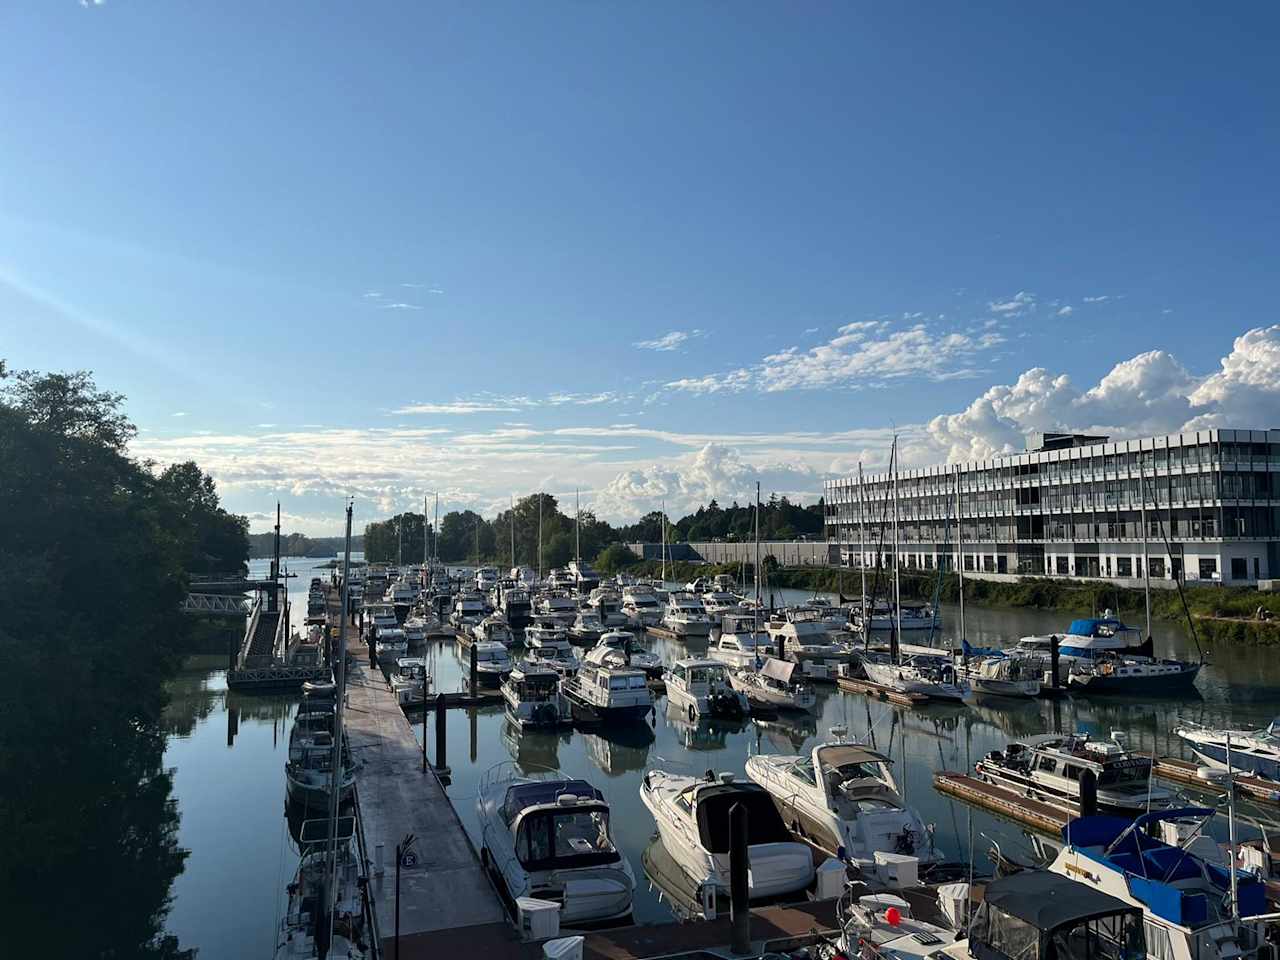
[897,585]
[513,531]
[400,541]
[425,557]
[1146,563]
[339,736]
[756,576]
[435,530]
[663,548]
[862,548]
[539,536]
[577,526]
[960,550]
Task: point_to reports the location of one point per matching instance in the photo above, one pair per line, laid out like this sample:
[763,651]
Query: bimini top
[534,793]
[843,754]
[1092,627]
[1048,901]
[1102,831]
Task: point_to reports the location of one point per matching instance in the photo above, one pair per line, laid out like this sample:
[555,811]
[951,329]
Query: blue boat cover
[1100,831]
[1089,627]
[971,651]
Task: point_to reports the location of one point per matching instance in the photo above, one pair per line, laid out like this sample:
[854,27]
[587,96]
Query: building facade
[1073,506]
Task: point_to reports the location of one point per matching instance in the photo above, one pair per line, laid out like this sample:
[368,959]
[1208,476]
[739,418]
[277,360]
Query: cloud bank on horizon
[625,470]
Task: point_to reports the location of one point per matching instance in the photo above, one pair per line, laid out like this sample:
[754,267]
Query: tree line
[96,549]
[299,545]
[466,536]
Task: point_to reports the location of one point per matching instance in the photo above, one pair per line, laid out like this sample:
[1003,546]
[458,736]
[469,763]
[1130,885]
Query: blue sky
[652,250]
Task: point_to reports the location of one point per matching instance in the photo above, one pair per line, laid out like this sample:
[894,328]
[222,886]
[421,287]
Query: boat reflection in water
[533,750]
[619,750]
[705,733]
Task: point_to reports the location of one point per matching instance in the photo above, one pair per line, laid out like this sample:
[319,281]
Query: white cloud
[1020,301]
[434,290]
[455,408]
[863,353]
[370,295]
[1246,391]
[399,306]
[493,403]
[668,341]
[180,413]
[1102,299]
[1066,311]
[811,330]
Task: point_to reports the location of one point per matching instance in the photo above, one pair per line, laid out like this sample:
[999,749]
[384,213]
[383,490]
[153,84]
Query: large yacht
[624,651]
[548,644]
[486,579]
[692,815]
[641,607]
[532,696]
[494,629]
[515,605]
[550,839]
[468,610]
[411,681]
[1048,768]
[585,579]
[586,628]
[701,688]
[741,649]
[1186,901]
[604,693]
[685,616]
[842,796]
[493,662]
[557,606]
[803,635]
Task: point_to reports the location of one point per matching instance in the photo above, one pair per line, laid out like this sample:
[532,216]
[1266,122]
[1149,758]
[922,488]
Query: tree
[615,557]
[382,538]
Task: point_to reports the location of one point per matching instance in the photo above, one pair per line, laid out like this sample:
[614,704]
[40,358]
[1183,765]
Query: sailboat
[922,674]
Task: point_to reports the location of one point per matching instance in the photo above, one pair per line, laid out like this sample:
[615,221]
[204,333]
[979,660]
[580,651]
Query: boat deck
[446,889]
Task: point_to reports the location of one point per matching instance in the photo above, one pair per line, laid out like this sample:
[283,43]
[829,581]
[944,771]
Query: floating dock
[446,888]
[1184,771]
[881,692]
[1030,813]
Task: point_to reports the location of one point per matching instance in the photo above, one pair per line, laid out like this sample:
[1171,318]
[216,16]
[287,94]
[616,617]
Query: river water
[228,753]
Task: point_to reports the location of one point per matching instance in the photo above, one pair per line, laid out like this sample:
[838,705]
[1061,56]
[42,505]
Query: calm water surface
[228,752]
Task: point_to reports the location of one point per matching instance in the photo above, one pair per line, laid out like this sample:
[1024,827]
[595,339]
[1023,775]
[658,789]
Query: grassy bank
[1222,614]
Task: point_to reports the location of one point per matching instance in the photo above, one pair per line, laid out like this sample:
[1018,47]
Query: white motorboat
[493,629]
[701,688]
[486,579]
[586,628]
[841,797]
[411,681]
[532,696]
[301,933]
[924,675]
[493,662]
[718,602]
[881,925]
[390,642]
[557,606]
[692,815]
[624,651]
[515,604]
[774,686]
[601,692]
[641,607]
[547,643]
[685,616]
[1049,767]
[585,579]
[1252,751]
[801,634]
[379,616]
[1186,900]
[551,840]
[561,579]
[468,610]
[742,651]
[308,778]
[416,628]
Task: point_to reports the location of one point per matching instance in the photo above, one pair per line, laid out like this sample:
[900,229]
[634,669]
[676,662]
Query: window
[1124,567]
[1239,568]
[1157,567]
[1208,569]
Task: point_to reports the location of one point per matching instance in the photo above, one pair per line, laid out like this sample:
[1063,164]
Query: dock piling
[475,680]
[1053,661]
[442,760]
[739,892]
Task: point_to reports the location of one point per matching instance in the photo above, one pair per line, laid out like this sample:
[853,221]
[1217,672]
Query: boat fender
[693,713]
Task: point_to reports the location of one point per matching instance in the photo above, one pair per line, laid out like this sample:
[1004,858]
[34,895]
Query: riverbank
[1221,614]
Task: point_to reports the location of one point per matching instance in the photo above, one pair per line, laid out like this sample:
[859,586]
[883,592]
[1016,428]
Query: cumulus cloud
[1066,311]
[1149,394]
[668,341]
[455,408]
[400,306]
[1101,299]
[863,353]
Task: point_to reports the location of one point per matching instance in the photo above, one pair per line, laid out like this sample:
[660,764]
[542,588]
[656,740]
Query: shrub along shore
[1221,614]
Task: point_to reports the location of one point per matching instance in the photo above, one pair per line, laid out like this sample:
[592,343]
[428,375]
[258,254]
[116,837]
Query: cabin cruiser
[915,616]
[308,778]
[701,688]
[1038,915]
[1004,677]
[606,603]
[468,610]
[802,635]
[685,616]
[486,579]
[641,607]
[841,796]
[494,629]
[1252,751]
[493,662]
[312,729]
[306,924]
[515,605]
[585,579]
[548,644]
[525,576]
[717,603]
[411,681]
[390,642]
[1087,638]
[601,692]
[532,695]
[415,629]
[740,651]
[774,686]
[379,616]
[1185,900]
[1048,768]
[623,651]
[556,606]
[401,593]
[586,628]
[692,815]
[561,579]
[550,839]
[929,675]
[834,618]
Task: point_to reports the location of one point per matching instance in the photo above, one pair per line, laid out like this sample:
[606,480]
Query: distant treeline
[467,537]
[300,545]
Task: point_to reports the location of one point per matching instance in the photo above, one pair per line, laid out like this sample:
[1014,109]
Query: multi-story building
[1073,506]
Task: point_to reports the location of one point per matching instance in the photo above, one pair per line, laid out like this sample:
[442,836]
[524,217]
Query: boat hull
[1156,684]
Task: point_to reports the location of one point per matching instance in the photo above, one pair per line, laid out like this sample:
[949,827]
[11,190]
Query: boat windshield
[1136,770]
[559,839]
[706,674]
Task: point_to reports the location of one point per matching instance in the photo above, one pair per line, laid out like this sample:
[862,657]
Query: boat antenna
[339,737]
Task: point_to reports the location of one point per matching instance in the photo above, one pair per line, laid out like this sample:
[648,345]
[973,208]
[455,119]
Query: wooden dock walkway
[1184,771]
[881,692]
[1006,803]
[446,889]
